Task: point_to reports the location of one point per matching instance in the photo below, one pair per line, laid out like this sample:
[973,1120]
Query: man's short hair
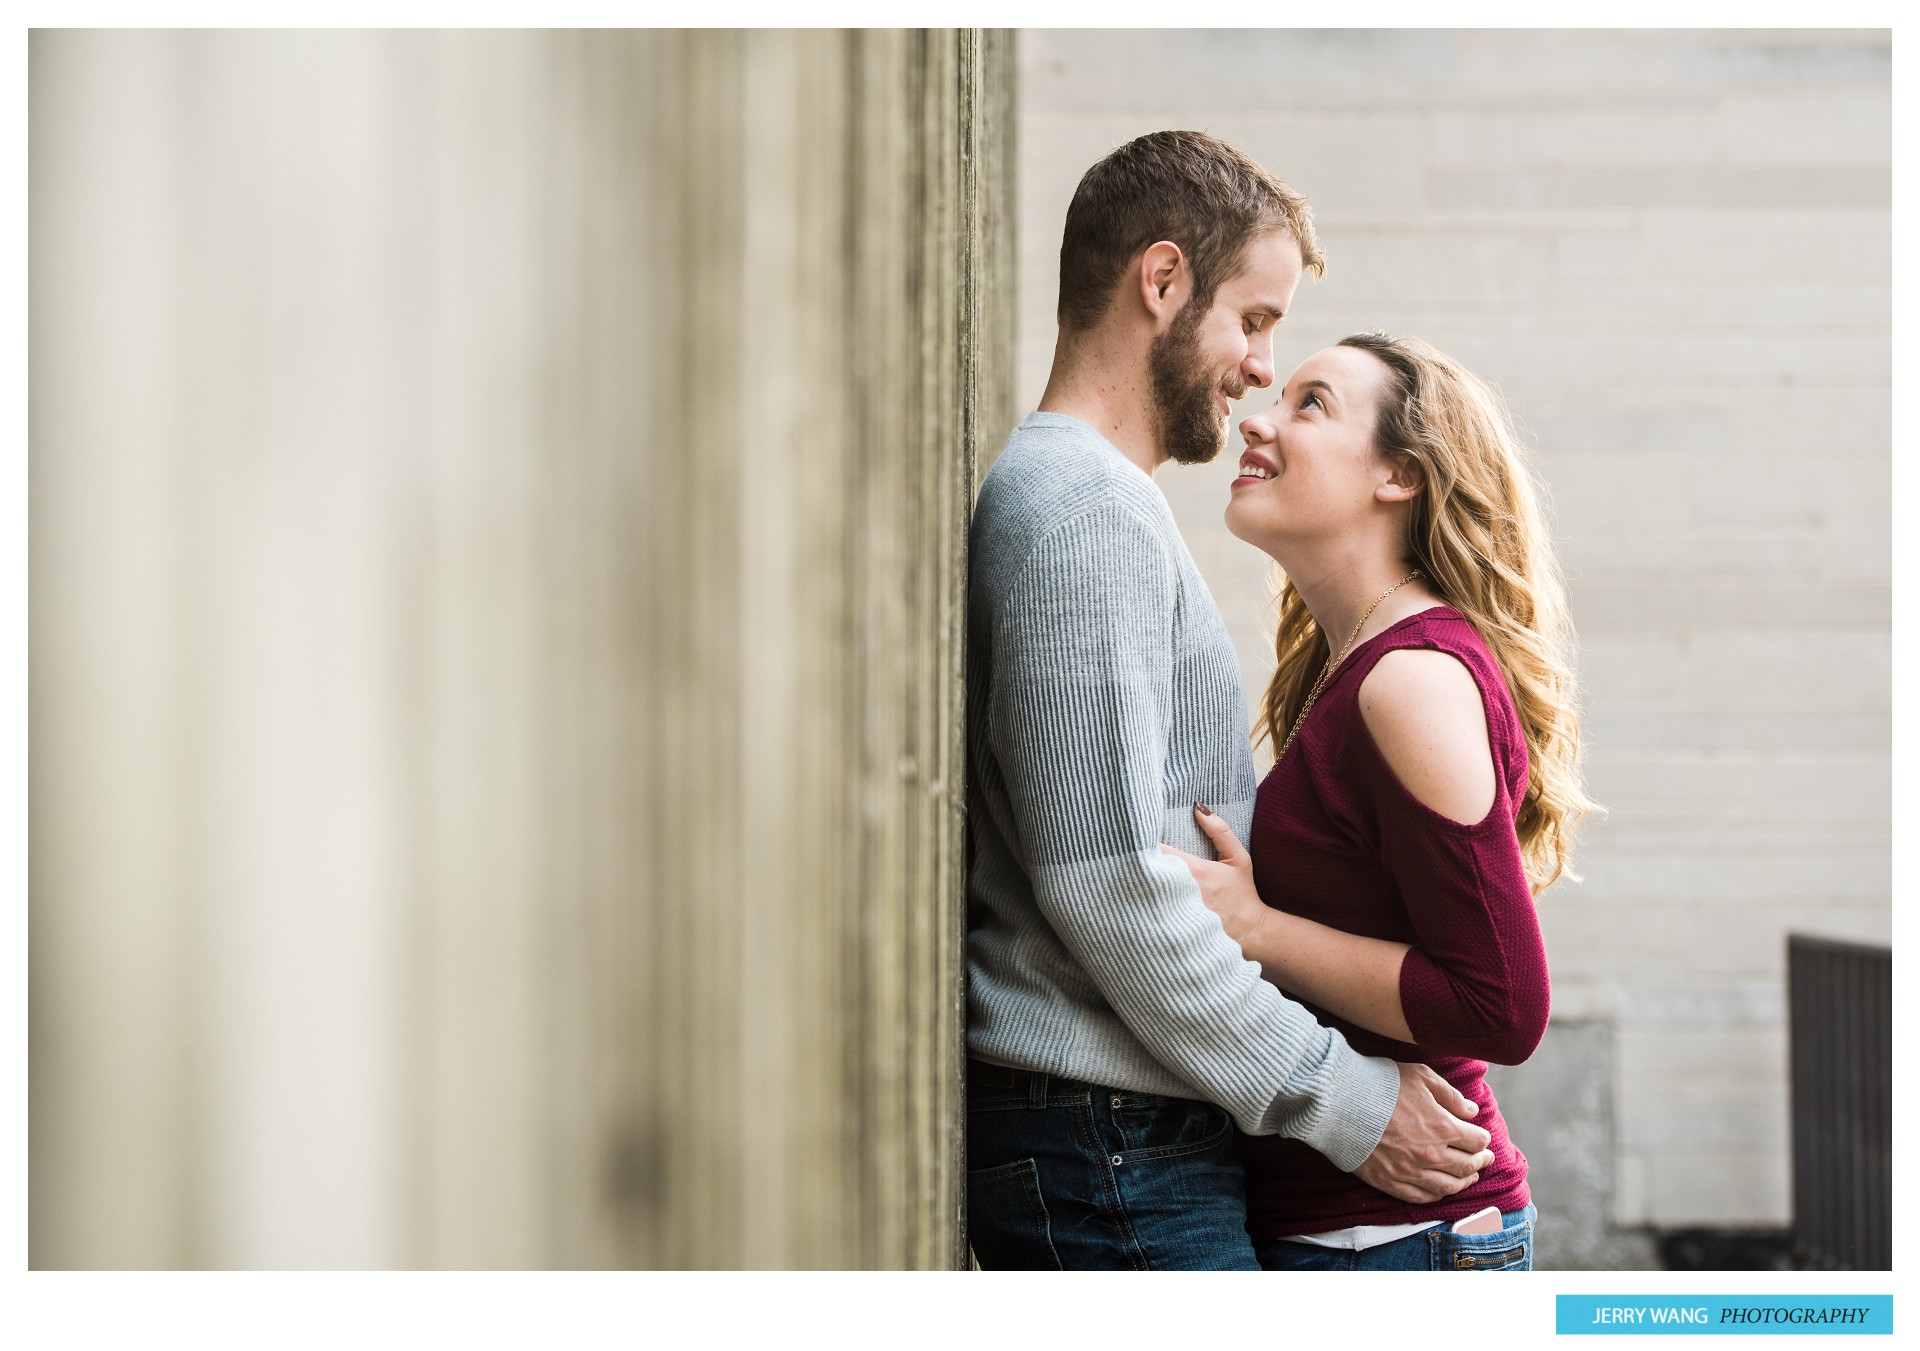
[1186,187]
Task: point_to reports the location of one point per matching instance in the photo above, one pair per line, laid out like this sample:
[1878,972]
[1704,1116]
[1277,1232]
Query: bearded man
[1115,1032]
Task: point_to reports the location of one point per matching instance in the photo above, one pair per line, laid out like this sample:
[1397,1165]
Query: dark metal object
[1840,1015]
[1727,1250]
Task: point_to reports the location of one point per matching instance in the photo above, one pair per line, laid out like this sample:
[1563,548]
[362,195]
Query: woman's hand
[1227,886]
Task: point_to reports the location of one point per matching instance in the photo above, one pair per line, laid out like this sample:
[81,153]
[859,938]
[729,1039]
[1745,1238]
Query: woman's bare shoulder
[1424,711]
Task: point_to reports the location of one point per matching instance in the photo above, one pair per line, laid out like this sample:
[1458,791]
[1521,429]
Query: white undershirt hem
[1363,1236]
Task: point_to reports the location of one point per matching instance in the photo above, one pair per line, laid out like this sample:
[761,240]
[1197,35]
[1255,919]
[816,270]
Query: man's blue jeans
[1066,1175]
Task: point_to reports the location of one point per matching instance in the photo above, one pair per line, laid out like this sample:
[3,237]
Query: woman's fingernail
[1202,808]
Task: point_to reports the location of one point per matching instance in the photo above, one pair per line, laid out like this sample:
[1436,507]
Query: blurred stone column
[499,515]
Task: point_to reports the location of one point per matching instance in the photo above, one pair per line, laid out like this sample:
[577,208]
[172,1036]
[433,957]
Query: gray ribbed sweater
[1103,698]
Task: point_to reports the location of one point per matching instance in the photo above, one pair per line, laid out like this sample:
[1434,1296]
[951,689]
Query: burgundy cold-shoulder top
[1338,839]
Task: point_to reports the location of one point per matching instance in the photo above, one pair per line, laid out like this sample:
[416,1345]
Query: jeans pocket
[1007,1221]
[1154,1127]
[1509,1249]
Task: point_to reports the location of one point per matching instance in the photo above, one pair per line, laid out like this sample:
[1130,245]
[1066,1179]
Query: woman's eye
[1309,401]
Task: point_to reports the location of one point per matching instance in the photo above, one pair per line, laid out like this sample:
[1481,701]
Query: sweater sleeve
[1475,983]
[1083,653]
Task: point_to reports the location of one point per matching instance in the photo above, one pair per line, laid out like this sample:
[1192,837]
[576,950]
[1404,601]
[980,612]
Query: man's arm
[1082,676]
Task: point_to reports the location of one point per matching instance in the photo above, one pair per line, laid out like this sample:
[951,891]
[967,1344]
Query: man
[1108,1012]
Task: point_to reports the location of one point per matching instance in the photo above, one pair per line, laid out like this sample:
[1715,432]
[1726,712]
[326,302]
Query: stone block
[1689,185]
[1728,939]
[1623,834]
[1678,128]
[1785,246]
[1559,1109]
[1698,360]
[1231,68]
[1659,1128]
[1702,790]
[1621,491]
[1837,417]
[1676,886]
[1374,267]
[1633,1180]
[1633,665]
[1735,1187]
[1850,790]
[1668,313]
[1569,421]
[1345,162]
[1729,604]
[1785,669]
[1675,995]
[1609,254]
[1800,490]
[1841,418]
[1853,547]
[1620,64]
[1811,131]
[1700,1066]
[1614,728]
[1694,552]
[1785,58]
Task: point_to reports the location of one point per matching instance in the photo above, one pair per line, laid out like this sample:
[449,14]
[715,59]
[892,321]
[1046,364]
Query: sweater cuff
[1352,1112]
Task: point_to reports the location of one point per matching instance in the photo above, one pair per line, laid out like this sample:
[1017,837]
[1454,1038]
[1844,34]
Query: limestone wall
[1672,251]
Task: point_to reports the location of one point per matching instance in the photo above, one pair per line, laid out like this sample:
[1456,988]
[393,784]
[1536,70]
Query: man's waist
[1043,1088]
[1082,1048]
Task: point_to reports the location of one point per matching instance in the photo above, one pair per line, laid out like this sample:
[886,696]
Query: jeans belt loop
[1036,1090]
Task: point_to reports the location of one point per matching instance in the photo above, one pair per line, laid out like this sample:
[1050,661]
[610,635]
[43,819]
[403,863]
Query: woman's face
[1310,469]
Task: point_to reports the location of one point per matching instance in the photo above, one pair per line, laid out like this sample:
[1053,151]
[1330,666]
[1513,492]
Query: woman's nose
[1257,429]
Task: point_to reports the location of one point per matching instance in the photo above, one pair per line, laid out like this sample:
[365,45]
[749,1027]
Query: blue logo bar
[1668,1315]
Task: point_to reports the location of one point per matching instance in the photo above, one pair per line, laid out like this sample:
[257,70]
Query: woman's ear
[1405,481]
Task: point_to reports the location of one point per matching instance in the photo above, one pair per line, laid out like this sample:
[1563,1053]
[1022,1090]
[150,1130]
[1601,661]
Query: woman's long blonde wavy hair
[1478,535]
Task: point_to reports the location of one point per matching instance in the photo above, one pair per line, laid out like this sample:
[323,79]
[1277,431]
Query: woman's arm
[1357,978]
[1424,713]
[1475,982]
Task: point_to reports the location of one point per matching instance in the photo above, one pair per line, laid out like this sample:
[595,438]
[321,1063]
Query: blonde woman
[1426,783]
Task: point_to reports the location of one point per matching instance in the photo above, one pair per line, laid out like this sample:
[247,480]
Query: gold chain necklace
[1332,662]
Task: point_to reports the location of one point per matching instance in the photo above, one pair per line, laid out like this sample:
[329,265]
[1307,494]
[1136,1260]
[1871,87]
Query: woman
[1426,780]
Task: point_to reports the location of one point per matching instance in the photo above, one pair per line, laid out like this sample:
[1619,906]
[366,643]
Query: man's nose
[1257,369]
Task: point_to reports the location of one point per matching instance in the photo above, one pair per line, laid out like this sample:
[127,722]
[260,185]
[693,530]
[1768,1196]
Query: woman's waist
[1469,1077]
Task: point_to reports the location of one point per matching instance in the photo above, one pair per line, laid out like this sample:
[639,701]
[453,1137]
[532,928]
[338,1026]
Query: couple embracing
[1211,1025]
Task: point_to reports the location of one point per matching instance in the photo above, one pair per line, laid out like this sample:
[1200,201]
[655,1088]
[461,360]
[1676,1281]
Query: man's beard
[1192,430]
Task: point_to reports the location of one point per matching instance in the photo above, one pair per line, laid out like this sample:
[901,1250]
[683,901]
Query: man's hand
[1428,1152]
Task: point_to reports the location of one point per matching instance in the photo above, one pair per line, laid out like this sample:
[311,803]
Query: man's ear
[1165,280]
[1405,479]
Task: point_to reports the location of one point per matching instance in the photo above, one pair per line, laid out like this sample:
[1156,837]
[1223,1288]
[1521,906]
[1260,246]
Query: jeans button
[1116,1160]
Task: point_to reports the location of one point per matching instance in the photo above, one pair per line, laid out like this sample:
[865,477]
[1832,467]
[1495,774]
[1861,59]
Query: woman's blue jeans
[1066,1175]
[1508,1249]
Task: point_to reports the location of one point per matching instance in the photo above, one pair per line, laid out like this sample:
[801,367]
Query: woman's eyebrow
[1306,385]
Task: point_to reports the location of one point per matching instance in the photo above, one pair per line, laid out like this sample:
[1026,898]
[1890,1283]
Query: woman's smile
[1256,467]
